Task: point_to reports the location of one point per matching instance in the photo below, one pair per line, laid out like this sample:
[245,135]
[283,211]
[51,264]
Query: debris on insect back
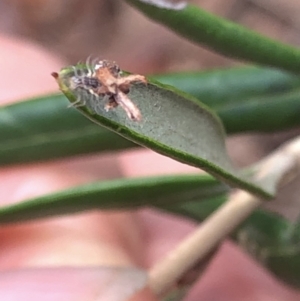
[99,85]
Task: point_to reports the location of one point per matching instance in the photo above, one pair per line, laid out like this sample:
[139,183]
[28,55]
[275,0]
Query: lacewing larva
[101,82]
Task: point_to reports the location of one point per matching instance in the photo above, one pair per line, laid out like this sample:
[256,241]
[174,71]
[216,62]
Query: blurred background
[111,29]
[75,29]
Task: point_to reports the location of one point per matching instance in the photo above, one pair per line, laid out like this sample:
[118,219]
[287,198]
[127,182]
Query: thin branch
[280,166]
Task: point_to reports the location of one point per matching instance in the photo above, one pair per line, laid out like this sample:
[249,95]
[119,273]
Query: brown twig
[272,171]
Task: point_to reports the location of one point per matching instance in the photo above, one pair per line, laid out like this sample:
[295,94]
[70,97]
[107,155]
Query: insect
[102,81]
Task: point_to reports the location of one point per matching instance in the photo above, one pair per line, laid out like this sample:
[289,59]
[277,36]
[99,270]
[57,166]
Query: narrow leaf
[262,114]
[246,99]
[193,196]
[223,36]
[117,194]
[220,87]
[44,128]
[173,124]
[265,236]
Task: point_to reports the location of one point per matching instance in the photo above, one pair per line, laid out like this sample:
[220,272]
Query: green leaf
[117,194]
[223,36]
[174,124]
[274,242]
[269,238]
[220,87]
[246,99]
[262,114]
[192,196]
[45,128]
[284,261]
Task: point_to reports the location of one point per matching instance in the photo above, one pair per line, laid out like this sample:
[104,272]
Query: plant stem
[205,238]
[271,172]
